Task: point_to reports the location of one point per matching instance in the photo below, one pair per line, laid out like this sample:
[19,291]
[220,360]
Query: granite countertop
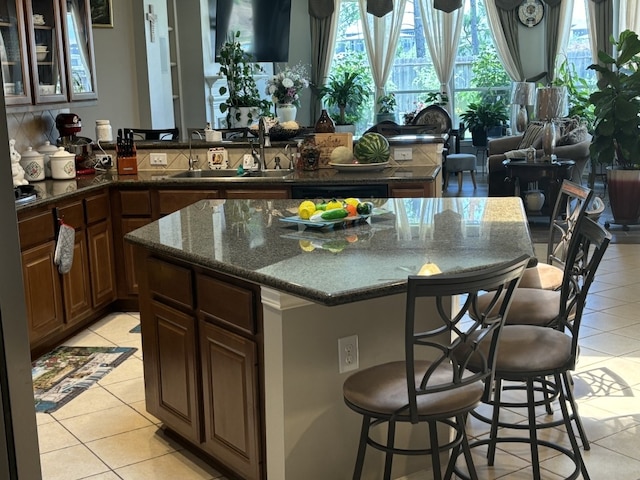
[54,190]
[332,266]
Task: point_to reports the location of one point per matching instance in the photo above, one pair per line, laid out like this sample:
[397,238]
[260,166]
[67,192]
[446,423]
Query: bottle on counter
[310,154]
[104,133]
[325,123]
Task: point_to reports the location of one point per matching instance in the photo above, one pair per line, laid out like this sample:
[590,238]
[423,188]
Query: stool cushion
[529,306]
[458,162]
[544,276]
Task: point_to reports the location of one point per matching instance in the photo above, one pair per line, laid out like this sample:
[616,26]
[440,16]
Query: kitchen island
[241,312]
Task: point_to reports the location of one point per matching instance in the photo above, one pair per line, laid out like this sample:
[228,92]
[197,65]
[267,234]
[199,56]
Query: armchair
[578,152]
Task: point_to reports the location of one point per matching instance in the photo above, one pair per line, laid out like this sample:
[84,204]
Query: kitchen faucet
[261,160]
[193,162]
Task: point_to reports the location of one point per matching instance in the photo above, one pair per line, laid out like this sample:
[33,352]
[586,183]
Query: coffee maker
[69,125]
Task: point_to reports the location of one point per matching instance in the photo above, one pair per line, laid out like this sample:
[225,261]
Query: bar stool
[458,163]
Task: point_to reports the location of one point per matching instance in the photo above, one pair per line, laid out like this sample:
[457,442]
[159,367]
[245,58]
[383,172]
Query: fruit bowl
[278,133]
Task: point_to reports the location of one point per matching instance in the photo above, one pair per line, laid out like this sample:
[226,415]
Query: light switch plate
[400,154]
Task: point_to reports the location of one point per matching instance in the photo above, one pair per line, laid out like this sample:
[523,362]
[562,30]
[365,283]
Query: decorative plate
[359,167]
[530,12]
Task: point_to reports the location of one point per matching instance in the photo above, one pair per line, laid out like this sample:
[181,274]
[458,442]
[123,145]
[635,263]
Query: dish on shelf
[359,167]
[47,89]
[42,55]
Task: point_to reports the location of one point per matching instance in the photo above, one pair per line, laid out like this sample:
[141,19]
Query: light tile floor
[106,434]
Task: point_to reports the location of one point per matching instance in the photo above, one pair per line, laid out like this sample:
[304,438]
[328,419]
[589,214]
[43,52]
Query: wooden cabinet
[201,335]
[247,193]
[48,55]
[57,304]
[412,190]
[171,200]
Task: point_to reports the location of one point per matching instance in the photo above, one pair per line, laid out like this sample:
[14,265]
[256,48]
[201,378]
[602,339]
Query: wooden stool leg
[473,178]
[460,173]
[446,179]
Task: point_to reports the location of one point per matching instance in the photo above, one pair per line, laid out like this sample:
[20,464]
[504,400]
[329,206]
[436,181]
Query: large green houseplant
[341,91]
[616,140]
[243,105]
[480,117]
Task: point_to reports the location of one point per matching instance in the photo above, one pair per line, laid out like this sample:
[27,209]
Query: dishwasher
[339,191]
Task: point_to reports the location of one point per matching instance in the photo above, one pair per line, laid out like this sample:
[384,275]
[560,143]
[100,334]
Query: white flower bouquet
[284,87]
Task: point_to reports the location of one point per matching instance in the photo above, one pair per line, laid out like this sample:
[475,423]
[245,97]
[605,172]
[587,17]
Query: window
[412,77]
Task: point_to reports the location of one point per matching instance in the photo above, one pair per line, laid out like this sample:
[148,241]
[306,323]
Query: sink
[277,173]
[225,173]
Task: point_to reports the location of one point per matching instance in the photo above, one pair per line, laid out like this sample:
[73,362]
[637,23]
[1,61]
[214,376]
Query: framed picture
[102,13]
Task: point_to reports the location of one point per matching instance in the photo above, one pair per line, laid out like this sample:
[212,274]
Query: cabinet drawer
[72,214]
[227,303]
[97,208]
[135,202]
[170,201]
[36,229]
[170,282]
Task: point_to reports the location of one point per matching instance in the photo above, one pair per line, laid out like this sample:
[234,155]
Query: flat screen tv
[263,25]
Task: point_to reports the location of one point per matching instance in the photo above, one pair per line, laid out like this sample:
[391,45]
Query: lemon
[306,245]
[306,209]
[333,204]
[352,201]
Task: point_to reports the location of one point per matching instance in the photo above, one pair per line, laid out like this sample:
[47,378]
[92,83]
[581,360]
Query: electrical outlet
[402,154]
[348,355]
[105,161]
[158,159]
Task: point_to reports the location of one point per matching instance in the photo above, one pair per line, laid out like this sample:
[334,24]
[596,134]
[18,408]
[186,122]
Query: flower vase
[286,112]
[325,123]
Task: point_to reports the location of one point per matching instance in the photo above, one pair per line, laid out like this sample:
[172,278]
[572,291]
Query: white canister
[47,150]
[104,133]
[63,165]
[32,162]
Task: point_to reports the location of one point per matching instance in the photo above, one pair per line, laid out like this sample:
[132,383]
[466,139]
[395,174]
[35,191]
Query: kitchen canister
[32,162]
[47,150]
[63,165]
[104,133]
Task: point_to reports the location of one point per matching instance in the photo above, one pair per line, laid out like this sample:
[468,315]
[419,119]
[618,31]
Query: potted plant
[243,105]
[616,140]
[480,117]
[342,91]
[386,108]
[284,89]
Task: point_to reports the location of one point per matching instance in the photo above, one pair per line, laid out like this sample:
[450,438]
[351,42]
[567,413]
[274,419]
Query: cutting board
[326,142]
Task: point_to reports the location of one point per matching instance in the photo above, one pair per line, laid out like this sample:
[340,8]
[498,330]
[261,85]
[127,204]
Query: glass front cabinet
[53,60]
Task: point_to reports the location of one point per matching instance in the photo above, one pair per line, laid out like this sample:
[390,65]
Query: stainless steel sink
[271,173]
[226,173]
[232,174]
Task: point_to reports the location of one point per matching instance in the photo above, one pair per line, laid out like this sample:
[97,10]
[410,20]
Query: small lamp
[550,105]
[522,95]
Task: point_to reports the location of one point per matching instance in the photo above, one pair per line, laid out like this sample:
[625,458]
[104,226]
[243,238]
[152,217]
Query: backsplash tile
[33,128]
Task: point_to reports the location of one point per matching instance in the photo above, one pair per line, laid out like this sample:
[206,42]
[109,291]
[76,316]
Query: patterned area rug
[66,372]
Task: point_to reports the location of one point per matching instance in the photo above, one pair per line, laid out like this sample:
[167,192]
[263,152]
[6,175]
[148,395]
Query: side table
[548,175]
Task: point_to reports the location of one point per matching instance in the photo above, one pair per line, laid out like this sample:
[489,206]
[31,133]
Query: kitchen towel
[63,255]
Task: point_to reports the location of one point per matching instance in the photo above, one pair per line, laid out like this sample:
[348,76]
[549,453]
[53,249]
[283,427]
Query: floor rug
[66,372]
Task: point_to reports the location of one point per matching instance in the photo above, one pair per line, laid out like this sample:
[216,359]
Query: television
[264,26]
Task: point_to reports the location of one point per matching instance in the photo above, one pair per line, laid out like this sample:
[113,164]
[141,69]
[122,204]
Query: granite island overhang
[309,288]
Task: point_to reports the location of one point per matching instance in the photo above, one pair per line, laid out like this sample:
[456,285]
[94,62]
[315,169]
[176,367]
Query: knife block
[127,165]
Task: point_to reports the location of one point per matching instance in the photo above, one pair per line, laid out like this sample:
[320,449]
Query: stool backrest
[570,208]
[448,327]
[588,245]
[154,134]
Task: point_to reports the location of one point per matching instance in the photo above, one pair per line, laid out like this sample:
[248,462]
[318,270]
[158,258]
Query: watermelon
[372,148]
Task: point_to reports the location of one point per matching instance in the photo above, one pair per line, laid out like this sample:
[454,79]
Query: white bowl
[41,56]
[42,48]
[9,88]
[47,89]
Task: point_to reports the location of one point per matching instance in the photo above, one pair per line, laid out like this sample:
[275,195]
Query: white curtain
[500,41]
[442,31]
[630,15]
[381,39]
[563,31]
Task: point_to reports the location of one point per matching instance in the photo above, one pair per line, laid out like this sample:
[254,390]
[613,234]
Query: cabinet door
[42,291]
[13,54]
[102,264]
[171,369]
[130,280]
[170,201]
[75,284]
[78,43]
[230,398]
[46,52]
